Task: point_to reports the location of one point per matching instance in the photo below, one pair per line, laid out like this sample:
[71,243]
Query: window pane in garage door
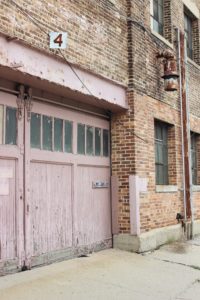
[35,130]
[97,141]
[11,126]
[105,142]
[90,137]
[81,139]
[58,135]
[47,133]
[68,136]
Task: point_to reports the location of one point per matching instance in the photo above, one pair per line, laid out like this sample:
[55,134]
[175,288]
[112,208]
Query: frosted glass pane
[90,135]
[58,135]
[1,124]
[47,133]
[68,136]
[97,141]
[81,139]
[105,142]
[11,126]
[35,130]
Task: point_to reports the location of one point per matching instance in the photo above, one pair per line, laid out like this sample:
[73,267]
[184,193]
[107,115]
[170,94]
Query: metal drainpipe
[182,134]
[189,147]
[186,209]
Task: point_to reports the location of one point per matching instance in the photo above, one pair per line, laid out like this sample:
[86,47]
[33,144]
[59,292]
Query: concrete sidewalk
[167,273]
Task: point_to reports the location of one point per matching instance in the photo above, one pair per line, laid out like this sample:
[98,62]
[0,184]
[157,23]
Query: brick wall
[133,141]
[168,20]
[102,41]
[162,207]
[195,127]
[97,33]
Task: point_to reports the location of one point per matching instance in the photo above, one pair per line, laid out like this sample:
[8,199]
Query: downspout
[189,148]
[185,133]
[182,133]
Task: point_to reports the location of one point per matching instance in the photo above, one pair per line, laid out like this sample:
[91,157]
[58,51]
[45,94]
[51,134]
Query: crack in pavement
[181,296]
[177,263]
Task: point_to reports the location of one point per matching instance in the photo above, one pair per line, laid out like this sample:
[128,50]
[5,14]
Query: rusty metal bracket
[167,54]
[170,76]
[28,103]
[20,102]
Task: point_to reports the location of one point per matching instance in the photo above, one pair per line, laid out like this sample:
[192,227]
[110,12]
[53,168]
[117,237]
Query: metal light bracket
[170,70]
[28,103]
[20,102]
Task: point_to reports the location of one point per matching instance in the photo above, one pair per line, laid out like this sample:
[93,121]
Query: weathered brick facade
[97,32]
[148,102]
[114,39]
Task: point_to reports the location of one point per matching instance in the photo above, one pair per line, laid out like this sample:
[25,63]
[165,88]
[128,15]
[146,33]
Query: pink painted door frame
[12,254]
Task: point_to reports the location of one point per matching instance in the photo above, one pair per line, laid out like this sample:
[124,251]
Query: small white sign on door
[58,40]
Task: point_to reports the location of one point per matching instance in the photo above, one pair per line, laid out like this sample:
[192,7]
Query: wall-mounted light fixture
[170,70]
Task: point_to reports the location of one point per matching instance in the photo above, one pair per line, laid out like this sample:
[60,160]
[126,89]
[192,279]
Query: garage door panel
[51,192]
[92,207]
[8,238]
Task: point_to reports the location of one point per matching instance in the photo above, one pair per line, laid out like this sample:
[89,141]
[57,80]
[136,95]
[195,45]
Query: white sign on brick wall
[58,40]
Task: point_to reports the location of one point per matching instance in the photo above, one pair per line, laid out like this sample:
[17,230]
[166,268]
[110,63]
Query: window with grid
[158,16]
[188,34]
[194,157]
[8,125]
[161,153]
[92,140]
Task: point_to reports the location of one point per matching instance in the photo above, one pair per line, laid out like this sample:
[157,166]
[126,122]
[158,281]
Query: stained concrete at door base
[10,267]
[153,239]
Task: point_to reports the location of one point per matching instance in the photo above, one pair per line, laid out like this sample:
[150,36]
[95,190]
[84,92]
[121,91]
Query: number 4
[58,40]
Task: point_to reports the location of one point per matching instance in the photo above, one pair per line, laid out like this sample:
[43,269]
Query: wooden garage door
[67,183]
[54,183]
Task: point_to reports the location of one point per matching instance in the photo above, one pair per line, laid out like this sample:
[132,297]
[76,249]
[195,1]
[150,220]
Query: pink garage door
[58,202]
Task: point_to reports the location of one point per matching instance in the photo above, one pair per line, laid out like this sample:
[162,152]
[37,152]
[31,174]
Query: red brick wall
[133,141]
[97,32]
[157,209]
[100,41]
[195,127]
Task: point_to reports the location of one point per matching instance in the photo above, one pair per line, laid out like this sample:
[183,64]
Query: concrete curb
[151,240]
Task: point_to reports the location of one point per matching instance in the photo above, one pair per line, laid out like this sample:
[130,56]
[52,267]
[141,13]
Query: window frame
[163,144]
[104,141]
[188,19]
[159,18]
[194,157]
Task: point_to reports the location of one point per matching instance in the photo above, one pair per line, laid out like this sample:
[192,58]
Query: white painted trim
[196,188]
[191,6]
[134,201]
[192,62]
[151,7]
[137,185]
[166,189]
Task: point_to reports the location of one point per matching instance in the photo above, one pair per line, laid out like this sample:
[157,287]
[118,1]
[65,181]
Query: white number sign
[58,40]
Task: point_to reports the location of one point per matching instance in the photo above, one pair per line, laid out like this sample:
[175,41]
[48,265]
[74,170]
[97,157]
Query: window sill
[166,189]
[192,62]
[196,188]
[160,37]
